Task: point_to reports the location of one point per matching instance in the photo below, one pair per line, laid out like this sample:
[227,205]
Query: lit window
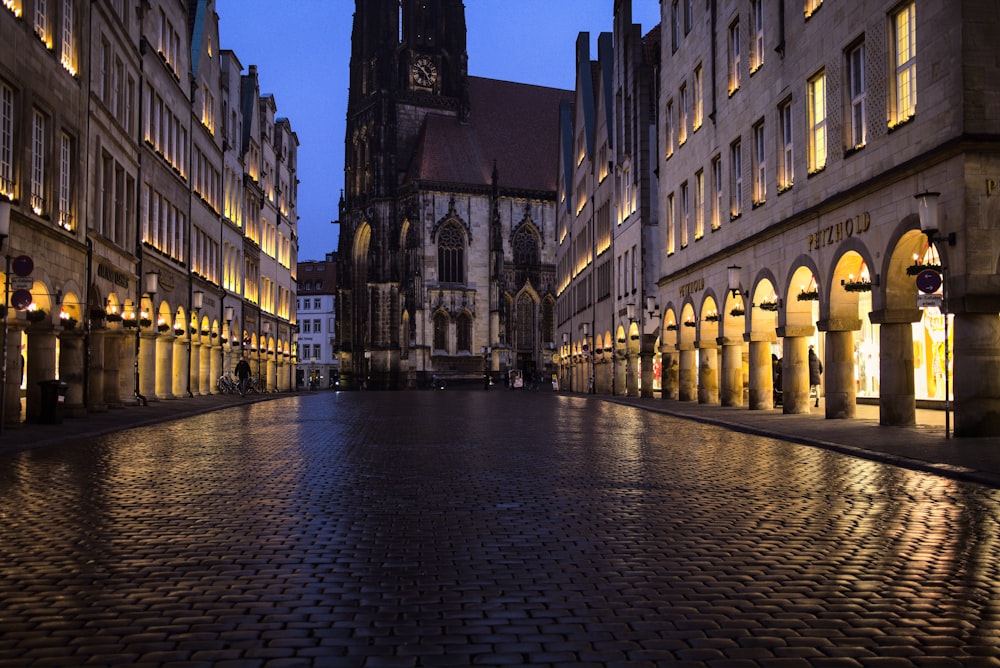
[904,60]
[856,89]
[65,167]
[786,175]
[37,162]
[817,123]
[757,31]
[699,99]
[6,141]
[759,165]
[735,180]
[734,57]
[68,43]
[811,6]
[682,109]
[668,130]
[685,215]
[699,204]
[716,192]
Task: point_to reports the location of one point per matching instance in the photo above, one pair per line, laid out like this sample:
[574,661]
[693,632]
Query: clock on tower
[423,72]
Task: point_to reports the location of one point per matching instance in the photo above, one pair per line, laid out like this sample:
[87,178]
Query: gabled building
[319,366]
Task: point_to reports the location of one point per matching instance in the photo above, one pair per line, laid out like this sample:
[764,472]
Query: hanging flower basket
[68,323]
[769,306]
[712,318]
[671,327]
[635,337]
[690,323]
[113,317]
[737,312]
[808,296]
[145,322]
[178,331]
[162,328]
[36,316]
[129,323]
[204,332]
[97,314]
[215,335]
[915,269]
[858,286]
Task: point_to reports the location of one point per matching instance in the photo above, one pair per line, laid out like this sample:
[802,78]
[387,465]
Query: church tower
[425,230]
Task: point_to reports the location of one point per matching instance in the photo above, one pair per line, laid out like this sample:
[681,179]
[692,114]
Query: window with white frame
[759,165]
[685,214]
[682,110]
[716,192]
[65,175]
[734,57]
[668,130]
[68,56]
[757,31]
[786,170]
[6,140]
[675,24]
[688,15]
[698,113]
[817,123]
[671,225]
[904,62]
[856,119]
[41,24]
[735,179]
[37,162]
[699,204]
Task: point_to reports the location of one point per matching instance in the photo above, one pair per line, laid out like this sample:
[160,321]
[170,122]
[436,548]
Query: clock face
[424,72]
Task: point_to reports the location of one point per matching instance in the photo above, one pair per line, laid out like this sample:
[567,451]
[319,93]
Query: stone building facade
[608,223]
[792,145]
[447,225]
[127,176]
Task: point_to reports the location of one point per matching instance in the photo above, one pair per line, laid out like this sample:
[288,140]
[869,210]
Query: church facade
[448,219]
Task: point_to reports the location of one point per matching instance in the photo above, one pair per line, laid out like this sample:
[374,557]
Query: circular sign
[22,265]
[20,299]
[928,281]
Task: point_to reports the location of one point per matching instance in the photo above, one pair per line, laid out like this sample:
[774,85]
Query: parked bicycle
[227,384]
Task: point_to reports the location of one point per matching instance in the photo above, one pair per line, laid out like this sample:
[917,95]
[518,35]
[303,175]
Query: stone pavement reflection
[484,528]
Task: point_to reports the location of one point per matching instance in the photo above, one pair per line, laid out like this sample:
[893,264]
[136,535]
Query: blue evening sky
[302,49]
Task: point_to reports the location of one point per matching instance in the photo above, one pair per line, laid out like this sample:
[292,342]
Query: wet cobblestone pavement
[485,528]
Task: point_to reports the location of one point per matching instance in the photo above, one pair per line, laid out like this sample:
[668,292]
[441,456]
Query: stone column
[131,366]
[111,368]
[147,364]
[202,367]
[761,376]
[71,371]
[687,376]
[646,366]
[840,387]
[977,374]
[272,372]
[621,365]
[897,392]
[41,366]
[731,385]
[795,370]
[177,362]
[632,374]
[214,368]
[708,373]
[194,367]
[668,374]
[95,372]
[15,372]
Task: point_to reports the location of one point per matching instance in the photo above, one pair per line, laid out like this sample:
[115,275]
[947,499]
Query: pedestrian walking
[243,374]
[815,373]
[776,378]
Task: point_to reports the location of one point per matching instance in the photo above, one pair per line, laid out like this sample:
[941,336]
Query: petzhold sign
[113,275]
[834,234]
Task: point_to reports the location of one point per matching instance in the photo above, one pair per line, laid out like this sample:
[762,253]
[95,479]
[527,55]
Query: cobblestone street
[486,528]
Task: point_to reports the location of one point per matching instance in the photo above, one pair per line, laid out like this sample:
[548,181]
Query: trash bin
[53,394]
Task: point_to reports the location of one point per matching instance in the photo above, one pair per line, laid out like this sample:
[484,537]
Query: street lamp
[928,209]
[262,349]
[4,233]
[733,279]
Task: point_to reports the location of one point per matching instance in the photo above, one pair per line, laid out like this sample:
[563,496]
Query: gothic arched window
[451,254]
[525,247]
[440,331]
[463,333]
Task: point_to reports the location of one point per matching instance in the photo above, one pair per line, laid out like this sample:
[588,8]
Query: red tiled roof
[515,124]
